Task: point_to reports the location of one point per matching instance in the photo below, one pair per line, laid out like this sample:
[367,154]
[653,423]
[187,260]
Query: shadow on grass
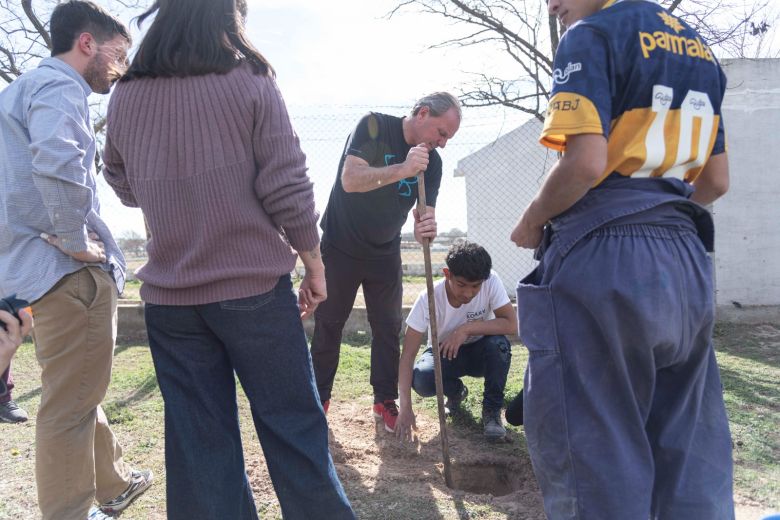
[138,394]
[147,386]
[750,391]
[120,410]
[760,343]
[361,339]
[127,341]
[32,394]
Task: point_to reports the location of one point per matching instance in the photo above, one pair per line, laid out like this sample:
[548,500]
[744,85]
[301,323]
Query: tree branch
[28,10]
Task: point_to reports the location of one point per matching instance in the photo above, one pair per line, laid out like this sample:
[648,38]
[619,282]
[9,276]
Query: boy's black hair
[469,260]
[69,19]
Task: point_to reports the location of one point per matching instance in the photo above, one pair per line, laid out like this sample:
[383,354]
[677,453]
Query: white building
[502,178]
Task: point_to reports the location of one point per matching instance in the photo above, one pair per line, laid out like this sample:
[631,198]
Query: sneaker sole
[12,421]
[495,438]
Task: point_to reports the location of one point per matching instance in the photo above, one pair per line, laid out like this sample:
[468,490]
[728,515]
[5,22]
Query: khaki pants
[77,458]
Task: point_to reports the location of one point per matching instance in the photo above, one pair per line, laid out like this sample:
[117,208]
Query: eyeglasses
[117,56]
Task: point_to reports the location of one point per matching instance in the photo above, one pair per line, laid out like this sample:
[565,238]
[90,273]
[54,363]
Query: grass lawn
[749,357]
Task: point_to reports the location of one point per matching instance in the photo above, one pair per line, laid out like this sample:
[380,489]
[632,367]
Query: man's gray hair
[438,103]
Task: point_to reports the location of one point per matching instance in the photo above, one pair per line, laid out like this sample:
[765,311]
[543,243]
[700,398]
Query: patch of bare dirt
[375,466]
[385,479]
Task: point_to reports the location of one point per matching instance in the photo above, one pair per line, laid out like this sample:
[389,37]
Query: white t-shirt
[491,296]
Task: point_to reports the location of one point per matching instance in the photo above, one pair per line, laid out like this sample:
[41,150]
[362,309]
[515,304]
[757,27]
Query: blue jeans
[488,357]
[196,350]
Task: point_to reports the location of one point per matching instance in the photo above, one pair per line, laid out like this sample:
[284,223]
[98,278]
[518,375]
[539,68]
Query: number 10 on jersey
[689,130]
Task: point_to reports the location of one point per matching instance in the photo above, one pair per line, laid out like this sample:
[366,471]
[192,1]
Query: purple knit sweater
[218,171]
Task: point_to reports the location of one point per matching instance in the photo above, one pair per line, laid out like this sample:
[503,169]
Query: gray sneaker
[141,482]
[494,429]
[11,413]
[453,404]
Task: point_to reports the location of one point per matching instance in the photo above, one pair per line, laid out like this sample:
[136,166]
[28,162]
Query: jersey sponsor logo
[562,76]
[671,22]
[680,45]
[663,98]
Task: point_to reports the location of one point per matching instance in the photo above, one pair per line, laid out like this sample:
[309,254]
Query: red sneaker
[388,413]
[325,406]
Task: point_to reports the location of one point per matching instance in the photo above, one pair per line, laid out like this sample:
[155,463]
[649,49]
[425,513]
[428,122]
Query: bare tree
[523,32]
[25,38]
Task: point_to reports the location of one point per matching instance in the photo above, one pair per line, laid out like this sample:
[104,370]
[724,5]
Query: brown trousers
[77,458]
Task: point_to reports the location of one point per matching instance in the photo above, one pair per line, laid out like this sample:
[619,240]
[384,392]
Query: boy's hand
[405,425]
[450,346]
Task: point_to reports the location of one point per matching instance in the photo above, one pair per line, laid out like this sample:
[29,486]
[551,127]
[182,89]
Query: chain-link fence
[491,170]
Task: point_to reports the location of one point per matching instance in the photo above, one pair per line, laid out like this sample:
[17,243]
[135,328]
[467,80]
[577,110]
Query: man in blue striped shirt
[57,252]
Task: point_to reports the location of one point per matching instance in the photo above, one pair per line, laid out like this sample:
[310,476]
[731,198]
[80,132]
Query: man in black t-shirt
[376,186]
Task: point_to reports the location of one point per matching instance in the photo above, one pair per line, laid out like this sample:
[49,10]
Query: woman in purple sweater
[199,138]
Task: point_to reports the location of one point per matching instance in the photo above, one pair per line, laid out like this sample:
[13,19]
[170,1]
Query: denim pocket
[536,318]
[544,413]
[250,303]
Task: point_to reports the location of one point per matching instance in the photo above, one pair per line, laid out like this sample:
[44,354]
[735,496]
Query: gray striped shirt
[47,181]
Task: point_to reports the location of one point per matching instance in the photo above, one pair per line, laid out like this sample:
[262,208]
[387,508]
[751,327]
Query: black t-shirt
[368,225]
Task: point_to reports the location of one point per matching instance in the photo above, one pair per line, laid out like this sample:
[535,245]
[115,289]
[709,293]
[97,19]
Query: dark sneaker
[11,413]
[141,482]
[514,412]
[453,404]
[387,411]
[96,514]
[491,420]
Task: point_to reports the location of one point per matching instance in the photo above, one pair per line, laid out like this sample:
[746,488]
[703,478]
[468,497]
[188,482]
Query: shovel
[445,445]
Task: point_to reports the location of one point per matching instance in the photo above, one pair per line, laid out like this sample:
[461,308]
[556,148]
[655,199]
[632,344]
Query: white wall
[747,219]
[501,179]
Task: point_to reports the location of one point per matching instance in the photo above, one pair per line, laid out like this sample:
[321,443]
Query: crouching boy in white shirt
[473,315]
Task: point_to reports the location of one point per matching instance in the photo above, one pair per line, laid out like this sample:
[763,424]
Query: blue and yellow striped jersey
[647,82]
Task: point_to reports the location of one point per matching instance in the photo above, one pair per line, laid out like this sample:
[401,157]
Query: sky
[337,60]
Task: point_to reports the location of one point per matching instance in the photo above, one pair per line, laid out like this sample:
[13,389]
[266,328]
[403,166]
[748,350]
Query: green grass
[750,366]
[750,373]
[132,288]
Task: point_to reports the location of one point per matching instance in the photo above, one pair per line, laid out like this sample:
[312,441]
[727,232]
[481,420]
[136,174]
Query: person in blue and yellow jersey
[623,409]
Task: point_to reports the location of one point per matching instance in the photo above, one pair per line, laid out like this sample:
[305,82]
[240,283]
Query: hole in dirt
[485,479]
